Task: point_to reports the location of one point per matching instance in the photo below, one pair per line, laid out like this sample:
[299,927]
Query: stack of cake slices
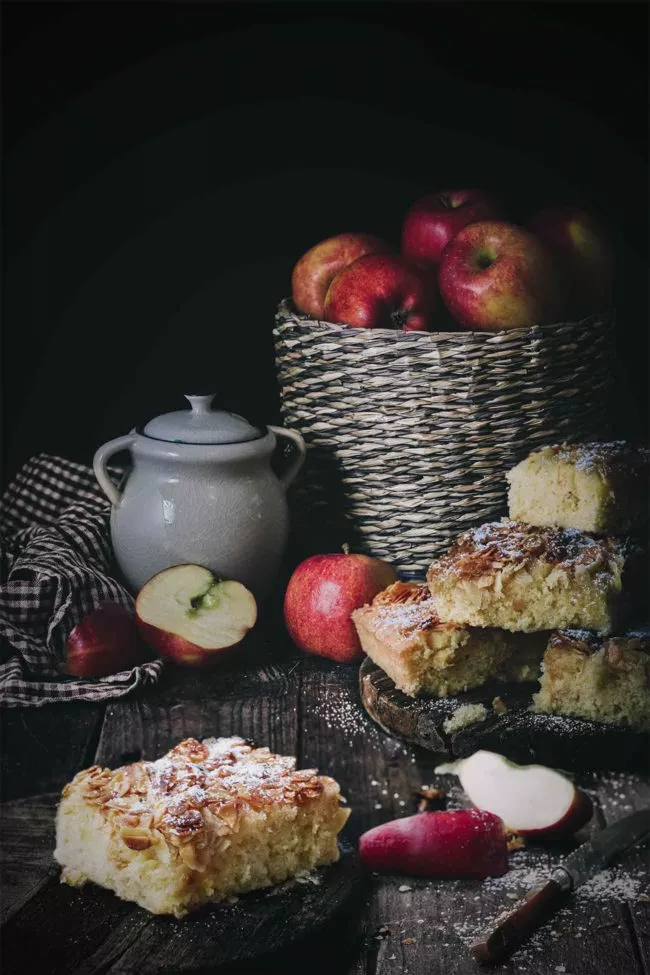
[545,594]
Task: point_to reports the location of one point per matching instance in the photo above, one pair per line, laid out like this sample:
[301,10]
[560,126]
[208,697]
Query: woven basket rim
[287,309]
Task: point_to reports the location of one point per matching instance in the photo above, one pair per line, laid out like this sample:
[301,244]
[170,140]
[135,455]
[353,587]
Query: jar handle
[296,438]
[99,466]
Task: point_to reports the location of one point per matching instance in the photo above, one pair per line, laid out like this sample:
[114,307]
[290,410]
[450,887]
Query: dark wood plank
[429,926]
[252,696]
[377,772]
[69,932]
[27,827]
[420,925]
[619,795]
[93,931]
[522,736]
[42,748]
[313,709]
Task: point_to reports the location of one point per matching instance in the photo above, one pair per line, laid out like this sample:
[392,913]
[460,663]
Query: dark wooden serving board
[519,734]
[57,929]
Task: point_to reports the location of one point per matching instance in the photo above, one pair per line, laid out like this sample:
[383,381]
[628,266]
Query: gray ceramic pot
[200,489]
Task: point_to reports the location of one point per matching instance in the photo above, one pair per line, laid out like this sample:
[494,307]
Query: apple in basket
[584,250]
[314,272]
[321,595]
[495,275]
[189,616]
[433,220]
[382,291]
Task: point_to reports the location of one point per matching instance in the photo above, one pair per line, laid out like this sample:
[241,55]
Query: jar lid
[201,424]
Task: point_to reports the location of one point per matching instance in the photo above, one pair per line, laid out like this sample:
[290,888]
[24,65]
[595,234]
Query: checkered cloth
[55,567]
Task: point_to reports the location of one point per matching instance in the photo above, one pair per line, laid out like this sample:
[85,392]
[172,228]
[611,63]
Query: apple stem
[346,548]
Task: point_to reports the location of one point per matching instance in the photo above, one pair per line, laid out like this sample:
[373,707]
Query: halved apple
[531,799]
[189,616]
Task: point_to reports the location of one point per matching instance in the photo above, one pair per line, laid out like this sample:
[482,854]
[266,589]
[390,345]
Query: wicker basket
[410,434]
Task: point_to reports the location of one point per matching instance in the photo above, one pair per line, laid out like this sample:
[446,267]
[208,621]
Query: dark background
[165,165]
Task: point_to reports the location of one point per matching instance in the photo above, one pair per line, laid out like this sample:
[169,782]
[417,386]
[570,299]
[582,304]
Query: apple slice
[105,642]
[530,799]
[458,843]
[189,616]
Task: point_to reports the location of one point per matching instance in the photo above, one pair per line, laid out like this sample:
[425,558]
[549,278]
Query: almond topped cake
[520,577]
[597,487]
[401,631]
[209,820]
[601,678]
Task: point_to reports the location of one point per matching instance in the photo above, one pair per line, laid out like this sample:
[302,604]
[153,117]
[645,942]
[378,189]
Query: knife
[514,927]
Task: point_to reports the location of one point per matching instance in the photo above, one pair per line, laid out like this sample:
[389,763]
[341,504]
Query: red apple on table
[495,275]
[432,221]
[321,595]
[583,249]
[314,272]
[458,843]
[382,291]
[105,642]
[189,616]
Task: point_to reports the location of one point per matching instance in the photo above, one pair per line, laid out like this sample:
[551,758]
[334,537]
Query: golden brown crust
[405,608]
[588,644]
[612,460]
[172,798]
[402,593]
[486,550]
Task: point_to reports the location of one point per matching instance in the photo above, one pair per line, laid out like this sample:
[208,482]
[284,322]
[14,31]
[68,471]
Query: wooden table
[303,706]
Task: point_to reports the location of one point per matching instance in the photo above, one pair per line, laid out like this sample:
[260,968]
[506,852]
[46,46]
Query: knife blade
[513,927]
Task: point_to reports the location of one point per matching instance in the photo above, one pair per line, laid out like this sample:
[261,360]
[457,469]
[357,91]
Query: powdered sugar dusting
[403,608]
[496,545]
[340,710]
[405,617]
[450,925]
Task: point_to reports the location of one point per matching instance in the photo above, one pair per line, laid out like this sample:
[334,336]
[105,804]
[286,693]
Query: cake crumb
[430,798]
[515,841]
[464,716]
[498,706]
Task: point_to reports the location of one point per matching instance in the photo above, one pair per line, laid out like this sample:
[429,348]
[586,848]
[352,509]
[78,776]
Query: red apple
[530,799]
[496,275]
[381,291]
[314,272]
[322,593]
[458,843]
[434,220]
[105,642]
[583,250]
[189,616]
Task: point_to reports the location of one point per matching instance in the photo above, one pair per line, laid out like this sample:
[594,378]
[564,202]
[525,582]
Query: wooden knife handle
[515,926]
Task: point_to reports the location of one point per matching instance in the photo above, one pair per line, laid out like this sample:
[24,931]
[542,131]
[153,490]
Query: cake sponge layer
[523,578]
[400,630]
[603,488]
[603,679]
[209,820]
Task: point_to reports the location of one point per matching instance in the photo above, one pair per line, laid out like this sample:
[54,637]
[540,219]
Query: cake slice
[401,632]
[209,820]
[603,488]
[524,578]
[604,679]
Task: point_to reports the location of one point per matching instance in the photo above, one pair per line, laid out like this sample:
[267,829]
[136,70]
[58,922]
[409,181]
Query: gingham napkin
[55,567]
